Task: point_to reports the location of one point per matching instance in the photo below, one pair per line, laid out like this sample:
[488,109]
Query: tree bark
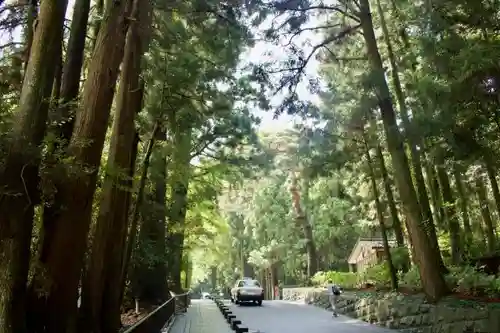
[152,274]
[380,214]
[65,252]
[69,89]
[415,156]
[464,207]
[179,181]
[396,222]
[102,295]
[486,215]
[490,169]
[19,175]
[72,72]
[30,30]
[134,216]
[426,256]
[303,223]
[451,215]
[436,197]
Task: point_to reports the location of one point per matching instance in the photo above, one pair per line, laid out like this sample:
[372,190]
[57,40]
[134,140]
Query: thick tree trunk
[415,156]
[485,213]
[64,254]
[179,181]
[380,214]
[19,176]
[29,31]
[99,9]
[72,71]
[69,89]
[451,215]
[426,256]
[303,223]
[102,295]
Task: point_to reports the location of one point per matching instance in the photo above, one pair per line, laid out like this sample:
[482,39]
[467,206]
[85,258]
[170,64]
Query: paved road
[283,316]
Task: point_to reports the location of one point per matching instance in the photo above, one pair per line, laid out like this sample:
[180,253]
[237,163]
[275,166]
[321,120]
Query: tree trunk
[464,206]
[69,89]
[415,156]
[134,216]
[72,72]
[65,252]
[426,256]
[101,298]
[451,215]
[380,214]
[179,181]
[490,169]
[396,222]
[485,213]
[151,275]
[302,222]
[99,9]
[213,277]
[436,198]
[30,31]
[19,175]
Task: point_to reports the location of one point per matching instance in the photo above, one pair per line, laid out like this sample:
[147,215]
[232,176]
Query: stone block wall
[406,313]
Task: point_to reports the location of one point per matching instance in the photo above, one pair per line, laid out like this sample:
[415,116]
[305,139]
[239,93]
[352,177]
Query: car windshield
[251,283]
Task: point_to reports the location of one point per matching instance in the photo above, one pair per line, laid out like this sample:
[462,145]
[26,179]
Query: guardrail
[162,316]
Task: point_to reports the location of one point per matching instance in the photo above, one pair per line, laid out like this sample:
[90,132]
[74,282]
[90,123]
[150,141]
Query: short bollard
[234,324]
[227,314]
[229,318]
[240,329]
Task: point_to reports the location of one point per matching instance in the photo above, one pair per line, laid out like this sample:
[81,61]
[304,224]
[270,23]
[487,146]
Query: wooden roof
[366,243]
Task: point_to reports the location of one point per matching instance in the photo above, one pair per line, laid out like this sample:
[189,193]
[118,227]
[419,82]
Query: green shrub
[460,279]
[345,279]
[468,280]
[378,275]
[400,257]
[411,279]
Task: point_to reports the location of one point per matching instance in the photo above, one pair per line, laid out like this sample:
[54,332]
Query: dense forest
[133,161]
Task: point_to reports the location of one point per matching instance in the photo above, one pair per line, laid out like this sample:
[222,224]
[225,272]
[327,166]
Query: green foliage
[344,279]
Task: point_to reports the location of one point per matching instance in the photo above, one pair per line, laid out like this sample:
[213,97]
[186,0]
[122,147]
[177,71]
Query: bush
[469,281]
[377,275]
[411,279]
[344,279]
[464,280]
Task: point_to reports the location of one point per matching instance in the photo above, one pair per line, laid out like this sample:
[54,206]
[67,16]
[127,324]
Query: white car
[247,290]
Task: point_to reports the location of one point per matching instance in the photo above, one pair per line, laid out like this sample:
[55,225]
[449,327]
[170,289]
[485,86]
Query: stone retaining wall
[407,313]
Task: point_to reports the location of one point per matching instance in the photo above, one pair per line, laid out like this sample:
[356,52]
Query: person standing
[334,292]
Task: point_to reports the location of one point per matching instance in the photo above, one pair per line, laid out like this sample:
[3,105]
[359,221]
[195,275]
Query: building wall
[368,257]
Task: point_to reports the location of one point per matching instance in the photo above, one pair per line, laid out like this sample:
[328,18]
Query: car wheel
[232,300]
[259,302]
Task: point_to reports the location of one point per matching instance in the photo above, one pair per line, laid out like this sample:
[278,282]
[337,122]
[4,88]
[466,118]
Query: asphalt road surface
[291,317]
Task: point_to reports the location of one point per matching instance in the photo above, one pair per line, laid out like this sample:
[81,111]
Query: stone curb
[235,324]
